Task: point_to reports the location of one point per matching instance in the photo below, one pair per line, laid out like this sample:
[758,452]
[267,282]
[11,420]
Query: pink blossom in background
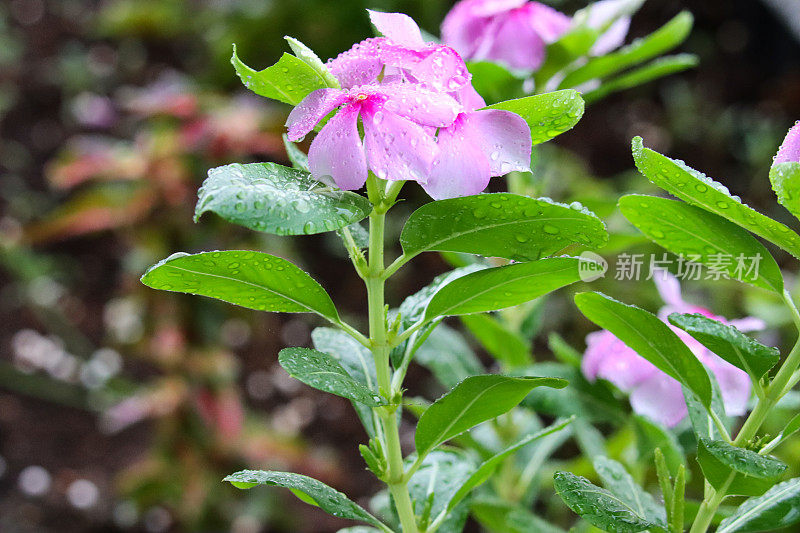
[605,14]
[512,32]
[790,149]
[653,393]
[420,116]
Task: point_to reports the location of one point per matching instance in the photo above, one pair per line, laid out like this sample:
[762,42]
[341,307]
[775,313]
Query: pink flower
[653,393]
[419,113]
[789,152]
[397,142]
[512,32]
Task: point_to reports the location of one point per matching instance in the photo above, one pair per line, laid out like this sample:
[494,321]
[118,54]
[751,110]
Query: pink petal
[660,398]
[397,27]
[464,27]
[311,110]
[612,38]
[515,43]
[749,323]
[549,23]
[462,168]
[358,66]
[397,149]
[469,98]
[421,105]
[487,8]
[337,151]
[734,384]
[506,139]
[790,149]
[611,359]
[669,288]
[436,65]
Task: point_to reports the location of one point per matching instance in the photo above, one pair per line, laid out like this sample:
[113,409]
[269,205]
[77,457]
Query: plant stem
[773,393]
[378,334]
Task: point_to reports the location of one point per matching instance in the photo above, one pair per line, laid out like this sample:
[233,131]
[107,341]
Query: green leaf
[703,237]
[662,40]
[785,179]
[413,307]
[599,507]
[617,480]
[658,68]
[433,485]
[275,199]
[321,371]
[487,468]
[250,279]
[496,288]
[309,490]
[298,158]
[500,225]
[741,472]
[650,436]
[698,189]
[547,114]
[702,423]
[289,80]
[648,336]
[312,60]
[506,346]
[574,44]
[729,343]
[357,360]
[493,82]
[448,357]
[473,401]
[777,508]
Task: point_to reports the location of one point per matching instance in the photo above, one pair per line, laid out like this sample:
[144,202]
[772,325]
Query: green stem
[774,392]
[378,334]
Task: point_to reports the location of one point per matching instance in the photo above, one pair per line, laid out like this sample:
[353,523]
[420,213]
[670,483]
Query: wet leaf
[497,288]
[275,199]
[289,80]
[702,237]
[742,472]
[598,506]
[307,489]
[322,371]
[698,189]
[473,401]
[500,225]
[250,279]
[777,508]
[729,343]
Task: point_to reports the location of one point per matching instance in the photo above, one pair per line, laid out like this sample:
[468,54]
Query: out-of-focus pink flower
[789,152]
[512,32]
[606,15]
[653,393]
[397,142]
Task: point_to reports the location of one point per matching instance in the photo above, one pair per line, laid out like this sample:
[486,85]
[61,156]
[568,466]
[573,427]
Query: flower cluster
[421,119]
[516,33]
[652,392]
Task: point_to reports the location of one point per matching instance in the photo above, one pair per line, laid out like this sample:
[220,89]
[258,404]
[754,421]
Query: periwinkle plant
[399,108]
